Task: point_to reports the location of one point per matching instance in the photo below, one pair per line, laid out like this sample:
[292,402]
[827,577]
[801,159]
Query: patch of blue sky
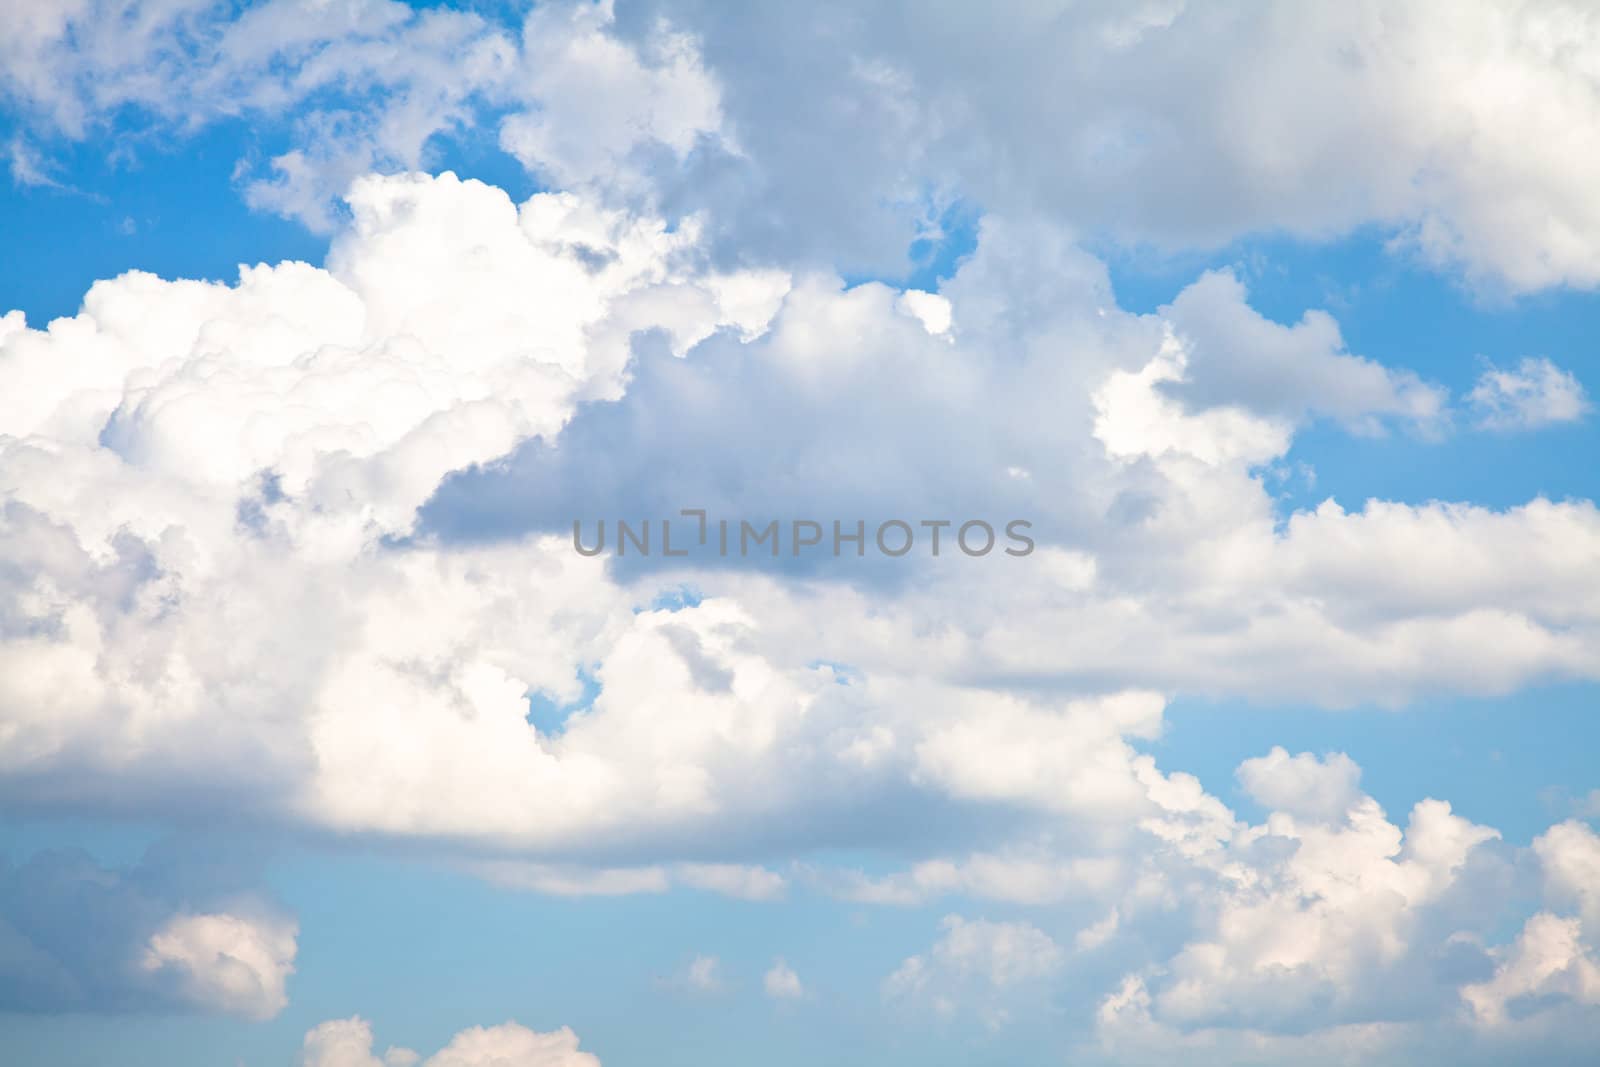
[550,961]
[135,197]
[843,673]
[938,255]
[675,599]
[171,208]
[550,717]
[1476,752]
[1406,316]
[949,237]
[374,924]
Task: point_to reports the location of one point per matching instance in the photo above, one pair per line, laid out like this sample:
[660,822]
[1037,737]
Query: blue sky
[317,738]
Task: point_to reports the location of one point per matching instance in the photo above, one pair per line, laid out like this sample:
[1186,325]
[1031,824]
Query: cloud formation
[782,983]
[1537,393]
[348,1043]
[236,531]
[1344,116]
[157,936]
[298,545]
[225,963]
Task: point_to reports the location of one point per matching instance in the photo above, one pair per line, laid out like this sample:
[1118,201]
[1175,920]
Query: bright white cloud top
[298,544]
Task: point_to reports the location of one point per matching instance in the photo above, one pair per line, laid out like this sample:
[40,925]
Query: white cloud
[1189,125]
[1033,873]
[601,102]
[1345,116]
[369,658]
[728,879]
[575,881]
[366,86]
[1554,962]
[369,82]
[178,930]
[1537,393]
[930,309]
[513,1046]
[703,975]
[418,74]
[1001,952]
[1303,785]
[1128,1034]
[348,1043]
[1569,855]
[1093,936]
[997,953]
[1002,749]
[1236,356]
[781,982]
[334,401]
[732,879]
[1316,916]
[1312,935]
[227,963]
[1547,960]
[979,966]
[236,559]
[27,166]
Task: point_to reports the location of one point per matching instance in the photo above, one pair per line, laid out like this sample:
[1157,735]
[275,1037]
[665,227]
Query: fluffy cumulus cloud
[608,112]
[226,963]
[233,531]
[1299,935]
[1235,356]
[292,420]
[348,1043]
[243,559]
[1334,933]
[301,545]
[158,935]
[1323,932]
[1555,959]
[1302,784]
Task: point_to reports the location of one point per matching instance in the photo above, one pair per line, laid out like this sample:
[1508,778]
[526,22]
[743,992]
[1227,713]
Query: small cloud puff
[782,983]
[701,976]
[1537,393]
